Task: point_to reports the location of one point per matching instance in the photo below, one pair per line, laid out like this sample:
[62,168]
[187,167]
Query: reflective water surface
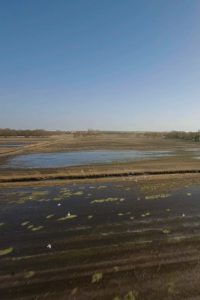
[100,241]
[60,159]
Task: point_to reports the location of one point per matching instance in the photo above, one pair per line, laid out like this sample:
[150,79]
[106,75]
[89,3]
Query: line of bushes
[7,132]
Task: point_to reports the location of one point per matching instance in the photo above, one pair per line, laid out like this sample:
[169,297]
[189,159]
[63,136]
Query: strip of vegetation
[94,176]
[7,132]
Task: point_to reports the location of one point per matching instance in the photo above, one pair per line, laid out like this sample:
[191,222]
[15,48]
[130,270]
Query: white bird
[49,246]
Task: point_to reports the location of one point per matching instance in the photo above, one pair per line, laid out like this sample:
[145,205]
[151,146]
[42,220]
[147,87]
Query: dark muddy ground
[110,240]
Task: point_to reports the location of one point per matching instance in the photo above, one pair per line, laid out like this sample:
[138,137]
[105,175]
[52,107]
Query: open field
[115,239]
[182,160]
[73,142]
[119,231]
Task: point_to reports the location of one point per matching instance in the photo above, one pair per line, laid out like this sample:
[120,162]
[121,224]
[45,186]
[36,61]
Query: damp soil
[106,240]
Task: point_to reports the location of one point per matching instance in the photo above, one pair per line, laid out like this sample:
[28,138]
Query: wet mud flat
[101,240]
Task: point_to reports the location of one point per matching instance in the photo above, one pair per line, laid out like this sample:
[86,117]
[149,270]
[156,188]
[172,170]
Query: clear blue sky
[101,64]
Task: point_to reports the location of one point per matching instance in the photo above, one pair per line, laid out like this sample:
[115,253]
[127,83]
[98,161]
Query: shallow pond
[60,159]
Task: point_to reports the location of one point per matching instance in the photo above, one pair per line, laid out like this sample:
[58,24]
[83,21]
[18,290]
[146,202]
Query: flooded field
[11,145]
[60,159]
[110,240]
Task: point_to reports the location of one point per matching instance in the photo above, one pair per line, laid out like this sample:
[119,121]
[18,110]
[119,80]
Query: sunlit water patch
[59,159]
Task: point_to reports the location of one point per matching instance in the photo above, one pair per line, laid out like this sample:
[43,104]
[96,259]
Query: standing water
[64,159]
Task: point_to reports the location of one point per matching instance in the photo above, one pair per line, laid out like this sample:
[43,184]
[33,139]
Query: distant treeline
[6,132]
[183,135]
[192,135]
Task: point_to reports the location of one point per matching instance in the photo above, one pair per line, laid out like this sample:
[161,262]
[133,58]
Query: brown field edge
[95,176]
